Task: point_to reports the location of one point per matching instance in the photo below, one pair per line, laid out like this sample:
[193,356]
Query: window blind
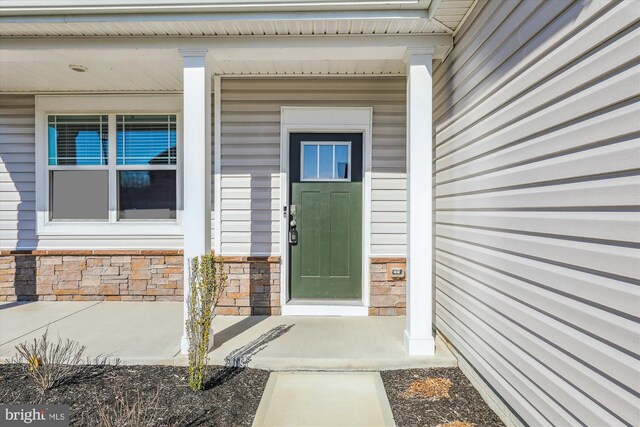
[146,139]
[78,140]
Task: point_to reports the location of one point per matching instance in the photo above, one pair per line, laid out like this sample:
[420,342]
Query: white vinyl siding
[251,156]
[537,193]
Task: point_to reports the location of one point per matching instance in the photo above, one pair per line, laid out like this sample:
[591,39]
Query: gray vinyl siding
[17,172]
[537,199]
[251,156]
[17,190]
[250,193]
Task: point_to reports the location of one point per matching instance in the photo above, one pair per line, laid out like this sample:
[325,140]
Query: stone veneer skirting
[388,295]
[253,285]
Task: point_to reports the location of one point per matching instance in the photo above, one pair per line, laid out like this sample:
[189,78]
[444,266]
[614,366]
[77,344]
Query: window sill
[138,228]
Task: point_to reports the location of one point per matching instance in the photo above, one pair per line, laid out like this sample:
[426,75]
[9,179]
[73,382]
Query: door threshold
[304,307]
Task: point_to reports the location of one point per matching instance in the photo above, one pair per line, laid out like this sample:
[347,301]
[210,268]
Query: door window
[326,161]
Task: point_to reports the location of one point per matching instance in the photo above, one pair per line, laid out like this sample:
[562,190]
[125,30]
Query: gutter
[219,16]
[199,6]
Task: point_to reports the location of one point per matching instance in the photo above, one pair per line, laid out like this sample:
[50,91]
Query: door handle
[293,226]
[293,233]
[293,236]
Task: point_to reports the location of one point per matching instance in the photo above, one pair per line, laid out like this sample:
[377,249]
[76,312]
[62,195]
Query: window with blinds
[144,172]
[78,140]
[146,139]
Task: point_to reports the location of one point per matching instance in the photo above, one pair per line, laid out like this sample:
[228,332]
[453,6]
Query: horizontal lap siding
[251,156]
[17,172]
[17,190]
[250,165]
[537,197]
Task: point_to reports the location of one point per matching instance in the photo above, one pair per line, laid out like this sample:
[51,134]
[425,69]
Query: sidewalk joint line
[50,323]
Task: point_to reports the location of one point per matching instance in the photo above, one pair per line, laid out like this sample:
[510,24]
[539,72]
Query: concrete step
[324,399]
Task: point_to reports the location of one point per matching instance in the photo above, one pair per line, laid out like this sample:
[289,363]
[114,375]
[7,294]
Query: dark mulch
[231,396]
[463,405]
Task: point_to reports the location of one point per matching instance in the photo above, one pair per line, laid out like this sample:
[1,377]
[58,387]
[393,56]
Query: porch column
[419,338]
[196,218]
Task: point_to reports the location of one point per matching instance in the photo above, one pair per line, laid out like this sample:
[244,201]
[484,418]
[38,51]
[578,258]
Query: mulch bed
[419,400]
[230,398]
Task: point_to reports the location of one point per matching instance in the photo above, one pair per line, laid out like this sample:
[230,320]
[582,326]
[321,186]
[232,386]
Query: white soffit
[222,28]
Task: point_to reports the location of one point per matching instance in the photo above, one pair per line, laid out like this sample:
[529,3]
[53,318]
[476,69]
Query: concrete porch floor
[149,333]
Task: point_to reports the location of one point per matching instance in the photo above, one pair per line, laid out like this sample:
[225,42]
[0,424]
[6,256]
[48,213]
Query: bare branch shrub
[207,281]
[49,363]
[130,409]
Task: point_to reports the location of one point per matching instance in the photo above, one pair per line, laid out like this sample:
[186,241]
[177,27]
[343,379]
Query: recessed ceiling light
[78,68]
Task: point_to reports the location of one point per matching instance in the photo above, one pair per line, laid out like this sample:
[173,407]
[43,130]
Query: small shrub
[207,279]
[130,409]
[47,363]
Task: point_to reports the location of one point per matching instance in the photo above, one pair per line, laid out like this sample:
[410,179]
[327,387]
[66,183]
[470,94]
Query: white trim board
[325,120]
[294,309]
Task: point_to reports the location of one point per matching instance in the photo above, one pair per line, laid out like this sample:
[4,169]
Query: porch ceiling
[155,64]
[107,71]
[110,73]
[131,45]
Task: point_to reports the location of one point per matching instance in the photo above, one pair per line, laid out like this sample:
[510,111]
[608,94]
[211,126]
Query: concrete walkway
[324,399]
[149,333]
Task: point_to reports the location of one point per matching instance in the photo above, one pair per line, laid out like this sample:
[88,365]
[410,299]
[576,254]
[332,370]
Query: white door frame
[325,120]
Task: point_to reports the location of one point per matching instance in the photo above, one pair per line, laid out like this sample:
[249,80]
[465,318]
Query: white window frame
[110,105]
[319,143]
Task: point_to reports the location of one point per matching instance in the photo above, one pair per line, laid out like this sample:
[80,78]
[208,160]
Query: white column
[217,165]
[196,218]
[419,338]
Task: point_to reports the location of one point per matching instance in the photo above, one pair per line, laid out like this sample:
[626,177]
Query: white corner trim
[217,165]
[328,120]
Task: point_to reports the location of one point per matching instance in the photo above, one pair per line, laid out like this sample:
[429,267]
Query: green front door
[326,214]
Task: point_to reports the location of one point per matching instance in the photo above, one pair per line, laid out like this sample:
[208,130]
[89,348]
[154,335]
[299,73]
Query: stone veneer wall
[253,285]
[388,295]
[91,276]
